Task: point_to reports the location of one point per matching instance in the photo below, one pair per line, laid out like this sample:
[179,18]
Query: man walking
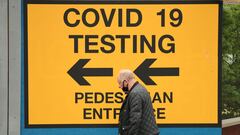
[136,114]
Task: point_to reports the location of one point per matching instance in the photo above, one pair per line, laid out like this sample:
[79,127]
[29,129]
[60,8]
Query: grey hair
[126,74]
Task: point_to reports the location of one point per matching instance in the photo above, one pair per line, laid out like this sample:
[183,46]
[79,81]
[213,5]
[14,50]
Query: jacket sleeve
[135,114]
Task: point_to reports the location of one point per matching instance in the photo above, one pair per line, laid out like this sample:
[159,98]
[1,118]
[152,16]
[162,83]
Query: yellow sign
[74,52]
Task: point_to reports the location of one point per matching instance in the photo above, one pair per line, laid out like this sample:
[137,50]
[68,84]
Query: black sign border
[26,109]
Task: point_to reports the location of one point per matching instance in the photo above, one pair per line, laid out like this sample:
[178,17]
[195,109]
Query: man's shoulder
[138,90]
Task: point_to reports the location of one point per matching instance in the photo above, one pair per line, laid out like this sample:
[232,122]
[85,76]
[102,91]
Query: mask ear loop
[126,92]
[123,83]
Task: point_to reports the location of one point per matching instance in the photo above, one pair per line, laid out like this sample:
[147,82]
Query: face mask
[125,88]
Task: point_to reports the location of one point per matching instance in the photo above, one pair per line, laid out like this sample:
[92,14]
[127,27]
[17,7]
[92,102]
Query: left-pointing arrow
[77,72]
[144,71]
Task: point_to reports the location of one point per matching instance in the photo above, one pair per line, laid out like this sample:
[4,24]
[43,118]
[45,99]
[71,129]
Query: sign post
[74,50]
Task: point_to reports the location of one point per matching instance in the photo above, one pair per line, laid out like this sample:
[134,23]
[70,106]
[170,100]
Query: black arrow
[144,71]
[77,72]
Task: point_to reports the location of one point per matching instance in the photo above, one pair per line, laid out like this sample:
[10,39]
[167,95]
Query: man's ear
[124,82]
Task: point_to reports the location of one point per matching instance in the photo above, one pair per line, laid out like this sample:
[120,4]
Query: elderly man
[136,115]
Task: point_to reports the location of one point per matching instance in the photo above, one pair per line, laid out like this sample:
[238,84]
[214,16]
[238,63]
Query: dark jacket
[136,114]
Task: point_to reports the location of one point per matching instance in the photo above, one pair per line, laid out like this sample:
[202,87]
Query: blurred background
[231,68]
[231,61]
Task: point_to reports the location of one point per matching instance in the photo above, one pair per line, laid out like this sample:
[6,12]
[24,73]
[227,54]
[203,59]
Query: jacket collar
[134,85]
